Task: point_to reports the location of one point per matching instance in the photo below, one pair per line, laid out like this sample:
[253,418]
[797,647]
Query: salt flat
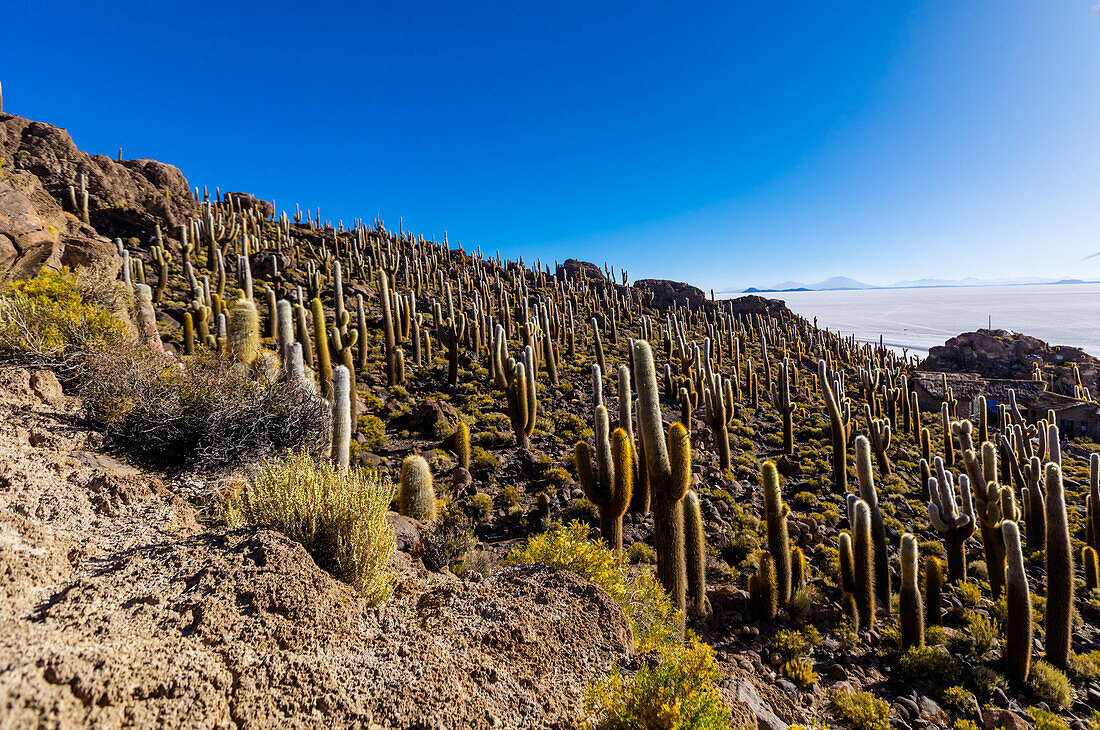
[917,319]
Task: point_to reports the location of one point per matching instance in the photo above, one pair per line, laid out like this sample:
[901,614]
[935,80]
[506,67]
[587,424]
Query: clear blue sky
[725,143]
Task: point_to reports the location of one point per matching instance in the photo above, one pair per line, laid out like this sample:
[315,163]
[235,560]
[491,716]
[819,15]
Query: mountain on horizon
[840,283]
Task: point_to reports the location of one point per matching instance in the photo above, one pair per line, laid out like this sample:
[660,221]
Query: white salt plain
[917,319]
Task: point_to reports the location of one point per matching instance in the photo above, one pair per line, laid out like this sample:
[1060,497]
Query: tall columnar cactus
[695,543]
[933,590]
[847,562]
[775,514]
[781,399]
[869,495]
[879,435]
[1059,569]
[719,414]
[639,500]
[1094,499]
[341,417]
[522,401]
[243,331]
[910,605]
[389,338]
[864,549]
[462,444]
[1019,629]
[800,570]
[416,492]
[944,514]
[948,442]
[992,505]
[320,347]
[609,484]
[669,466]
[763,592]
[839,415]
[1092,568]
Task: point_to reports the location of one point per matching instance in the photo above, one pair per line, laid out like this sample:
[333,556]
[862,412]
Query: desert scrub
[801,672]
[49,320]
[794,643]
[373,430]
[641,554]
[676,692]
[929,662]
[338,515]
[653,618]
[1045,720]
[1085,666]
[863,710]
[203,413]
[1049,684]
[481,505]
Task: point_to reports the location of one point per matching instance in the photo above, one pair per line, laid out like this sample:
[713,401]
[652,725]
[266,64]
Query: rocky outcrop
[125,198]
[751,304]
[1009,355]
[667,293]
[117,608]
[575,270]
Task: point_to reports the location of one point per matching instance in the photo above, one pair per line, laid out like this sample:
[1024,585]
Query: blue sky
[725,144]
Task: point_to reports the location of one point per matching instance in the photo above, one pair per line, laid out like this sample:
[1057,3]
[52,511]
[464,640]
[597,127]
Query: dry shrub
[57,318]
[338,515]
[203,413]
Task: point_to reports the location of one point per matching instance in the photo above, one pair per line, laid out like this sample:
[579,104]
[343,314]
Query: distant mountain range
[842,283]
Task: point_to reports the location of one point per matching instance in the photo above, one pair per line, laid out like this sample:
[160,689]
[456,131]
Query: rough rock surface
[1004,354]
[575,270]
[668,293]
[117,607]
[125,198]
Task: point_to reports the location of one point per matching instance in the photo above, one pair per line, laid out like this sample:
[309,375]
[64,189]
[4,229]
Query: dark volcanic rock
[575,270]
[667,293]
[250,202]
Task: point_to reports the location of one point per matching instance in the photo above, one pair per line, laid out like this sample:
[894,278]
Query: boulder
[27,242]
[575,270]
[665,293]
[251,202]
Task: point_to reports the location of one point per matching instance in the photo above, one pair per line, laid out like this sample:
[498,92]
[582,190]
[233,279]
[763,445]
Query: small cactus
[864,549]
[933,591]
[416,493]
[695,545]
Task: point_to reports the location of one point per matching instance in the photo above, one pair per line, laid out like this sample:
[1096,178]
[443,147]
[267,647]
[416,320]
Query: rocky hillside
[842,554]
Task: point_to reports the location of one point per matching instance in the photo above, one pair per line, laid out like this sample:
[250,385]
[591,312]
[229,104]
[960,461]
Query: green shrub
[641,554]
[1086,666]
[338,515]
[793,643]
[373,430]
[801,672]
[676,692]
[48,320]
[1045,720]
[483,459]
[481,505]
[929,662]
[570,427]
[863,710]
[983,631]
[1049,684]
[653,618]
